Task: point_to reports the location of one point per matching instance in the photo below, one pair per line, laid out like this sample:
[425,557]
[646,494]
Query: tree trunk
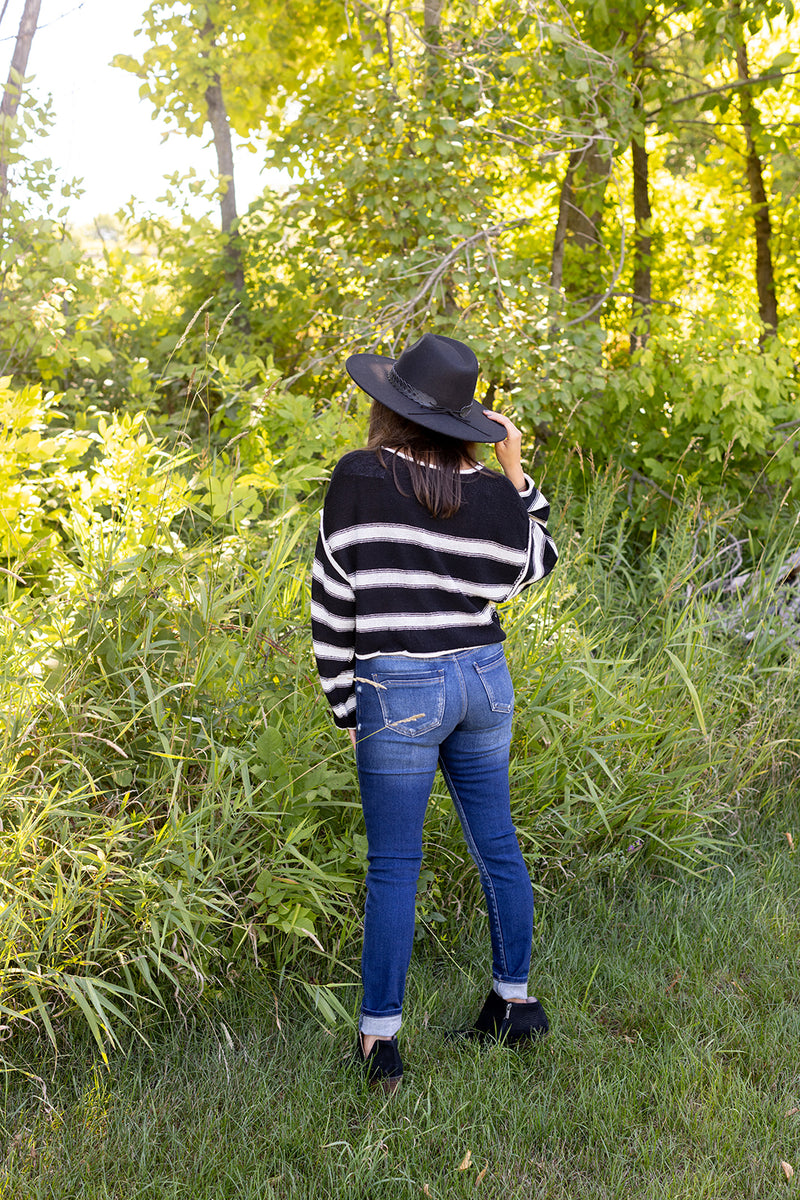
[641,304]
[431,34]
[432,15]
[765,276]
[580,217]
[560,237]
[218,120]
[642,244]
[223,145]
[13,89]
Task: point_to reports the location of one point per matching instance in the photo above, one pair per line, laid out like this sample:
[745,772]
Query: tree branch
[736,85]
[404,310]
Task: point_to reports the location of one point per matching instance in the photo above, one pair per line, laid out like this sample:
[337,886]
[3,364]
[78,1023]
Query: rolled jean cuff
[380,1026]
[511,991]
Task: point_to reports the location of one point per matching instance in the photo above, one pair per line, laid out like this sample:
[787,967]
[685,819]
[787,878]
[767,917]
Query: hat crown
[442,368]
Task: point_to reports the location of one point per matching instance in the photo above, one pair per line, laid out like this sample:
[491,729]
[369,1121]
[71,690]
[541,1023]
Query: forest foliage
[602,200]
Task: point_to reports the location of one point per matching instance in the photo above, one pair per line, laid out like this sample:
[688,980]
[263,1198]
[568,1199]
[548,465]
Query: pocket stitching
[383,692]
[494,704]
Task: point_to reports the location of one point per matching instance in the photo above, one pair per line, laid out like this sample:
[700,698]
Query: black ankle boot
[504,1021]
[383,1066]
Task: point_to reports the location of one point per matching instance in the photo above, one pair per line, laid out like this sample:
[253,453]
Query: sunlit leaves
[191,44]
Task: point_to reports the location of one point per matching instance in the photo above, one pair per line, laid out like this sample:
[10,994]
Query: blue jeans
[412,714]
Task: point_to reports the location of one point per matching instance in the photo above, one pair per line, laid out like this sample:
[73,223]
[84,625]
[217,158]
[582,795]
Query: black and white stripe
[389,578]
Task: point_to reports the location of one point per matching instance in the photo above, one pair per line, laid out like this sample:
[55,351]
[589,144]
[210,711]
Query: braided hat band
[422,398]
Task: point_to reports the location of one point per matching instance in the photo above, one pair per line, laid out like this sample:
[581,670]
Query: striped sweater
[389,578]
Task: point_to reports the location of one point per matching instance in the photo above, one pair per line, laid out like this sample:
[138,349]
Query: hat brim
[371,373]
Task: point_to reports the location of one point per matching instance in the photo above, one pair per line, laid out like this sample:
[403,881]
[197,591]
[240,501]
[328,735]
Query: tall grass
[151,832]
[176,804]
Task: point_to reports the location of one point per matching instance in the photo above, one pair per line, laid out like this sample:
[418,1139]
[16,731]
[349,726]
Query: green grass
[671,1070]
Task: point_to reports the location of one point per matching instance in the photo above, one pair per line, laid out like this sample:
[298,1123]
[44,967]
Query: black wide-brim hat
[432,383]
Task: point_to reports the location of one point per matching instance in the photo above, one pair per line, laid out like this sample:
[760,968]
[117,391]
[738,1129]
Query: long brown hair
[437,490]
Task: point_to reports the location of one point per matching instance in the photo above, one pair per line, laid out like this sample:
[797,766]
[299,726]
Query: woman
[417,545]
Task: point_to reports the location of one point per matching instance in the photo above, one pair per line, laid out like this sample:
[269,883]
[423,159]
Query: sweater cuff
[348,722]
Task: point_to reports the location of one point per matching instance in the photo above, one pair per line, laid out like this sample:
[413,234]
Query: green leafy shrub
[175,800]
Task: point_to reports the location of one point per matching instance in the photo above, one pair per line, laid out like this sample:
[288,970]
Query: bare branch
[405,310]
[735,85]
[397,316]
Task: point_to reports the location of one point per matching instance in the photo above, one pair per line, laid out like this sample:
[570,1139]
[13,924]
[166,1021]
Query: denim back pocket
[496,680]
[412,702]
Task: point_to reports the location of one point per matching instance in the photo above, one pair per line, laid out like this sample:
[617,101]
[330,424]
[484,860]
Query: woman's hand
[509,451]
[352,733]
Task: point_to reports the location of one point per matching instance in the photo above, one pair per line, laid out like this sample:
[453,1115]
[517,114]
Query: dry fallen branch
[751,600]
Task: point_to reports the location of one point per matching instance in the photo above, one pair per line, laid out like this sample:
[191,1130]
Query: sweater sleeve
[333,627]
[542,553]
